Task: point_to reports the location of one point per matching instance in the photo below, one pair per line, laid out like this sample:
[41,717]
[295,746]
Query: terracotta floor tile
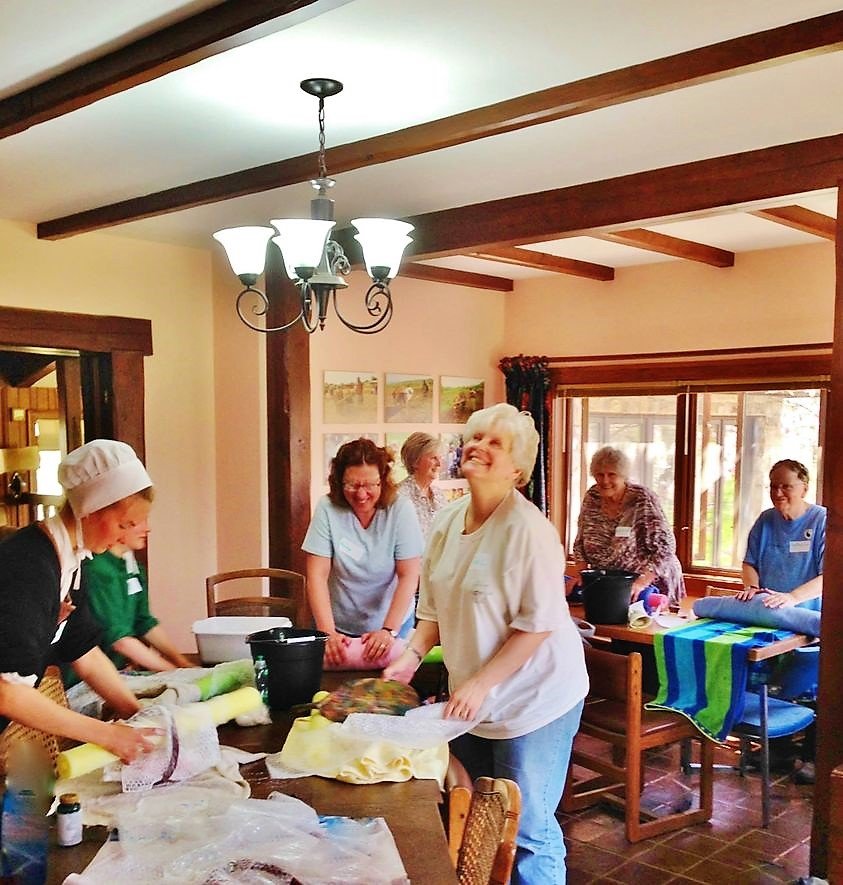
[667,857]
[692,840]
[640,874]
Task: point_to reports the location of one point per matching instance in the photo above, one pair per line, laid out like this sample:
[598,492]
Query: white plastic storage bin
[224,638]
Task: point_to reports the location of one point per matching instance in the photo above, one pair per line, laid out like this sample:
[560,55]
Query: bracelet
[416,652]
[392,633]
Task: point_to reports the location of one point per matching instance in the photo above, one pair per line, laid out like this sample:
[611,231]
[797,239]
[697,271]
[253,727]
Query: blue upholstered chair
[783,717]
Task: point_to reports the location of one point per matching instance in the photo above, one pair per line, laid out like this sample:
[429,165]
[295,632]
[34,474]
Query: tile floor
[731,848]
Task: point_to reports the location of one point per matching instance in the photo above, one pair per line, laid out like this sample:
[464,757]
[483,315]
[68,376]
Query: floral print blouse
[426,505]
[637,538]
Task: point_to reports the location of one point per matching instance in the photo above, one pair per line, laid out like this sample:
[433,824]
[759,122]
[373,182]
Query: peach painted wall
[240,385]
[171,286]
[781,296]
[436,330]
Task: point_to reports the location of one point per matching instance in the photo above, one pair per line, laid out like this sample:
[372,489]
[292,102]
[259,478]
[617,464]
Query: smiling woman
[363,550]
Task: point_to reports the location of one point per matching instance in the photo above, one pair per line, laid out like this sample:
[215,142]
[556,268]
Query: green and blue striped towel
[702,669]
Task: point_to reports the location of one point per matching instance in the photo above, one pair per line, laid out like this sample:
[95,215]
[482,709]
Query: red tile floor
[731,848]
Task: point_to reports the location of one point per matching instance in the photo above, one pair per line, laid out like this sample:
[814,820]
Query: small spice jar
[69,819]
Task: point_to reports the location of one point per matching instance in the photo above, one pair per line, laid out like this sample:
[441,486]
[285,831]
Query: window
[705,447]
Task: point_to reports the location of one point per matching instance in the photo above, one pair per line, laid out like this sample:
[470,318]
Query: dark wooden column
[288,421]
[127,412]
[830,701]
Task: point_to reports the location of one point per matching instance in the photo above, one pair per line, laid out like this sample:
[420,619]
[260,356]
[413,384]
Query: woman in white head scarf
[107,492]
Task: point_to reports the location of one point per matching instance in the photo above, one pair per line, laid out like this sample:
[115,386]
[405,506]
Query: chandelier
[313,261]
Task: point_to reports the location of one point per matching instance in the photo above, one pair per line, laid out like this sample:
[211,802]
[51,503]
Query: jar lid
[68,798]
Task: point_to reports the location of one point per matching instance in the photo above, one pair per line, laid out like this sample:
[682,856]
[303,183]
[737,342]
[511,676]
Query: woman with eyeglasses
[364,549]
[786,546]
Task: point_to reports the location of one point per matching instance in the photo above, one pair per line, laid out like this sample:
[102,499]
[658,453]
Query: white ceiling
[405,63]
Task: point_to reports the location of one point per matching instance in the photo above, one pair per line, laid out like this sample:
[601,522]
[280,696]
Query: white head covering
[99,474]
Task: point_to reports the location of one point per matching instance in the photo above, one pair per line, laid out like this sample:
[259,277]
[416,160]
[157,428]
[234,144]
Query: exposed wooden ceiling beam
[800,218]
[544,261]
[434,274]
[643,198]
[176,46]
[728,58]
[664,244]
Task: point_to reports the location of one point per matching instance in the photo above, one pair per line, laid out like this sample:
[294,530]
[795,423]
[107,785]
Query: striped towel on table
[702,669]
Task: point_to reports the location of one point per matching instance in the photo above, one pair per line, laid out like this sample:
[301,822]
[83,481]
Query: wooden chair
[711,590]
[52,687]
[614,713]
[287,597]
[482,826]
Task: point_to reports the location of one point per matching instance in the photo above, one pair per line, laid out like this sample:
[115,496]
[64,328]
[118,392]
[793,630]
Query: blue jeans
[538,763]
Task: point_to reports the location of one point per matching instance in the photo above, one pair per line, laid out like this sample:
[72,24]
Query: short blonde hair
[609,456]
[521,428]
[415,447]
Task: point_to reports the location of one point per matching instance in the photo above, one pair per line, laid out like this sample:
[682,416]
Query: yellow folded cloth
[316,745]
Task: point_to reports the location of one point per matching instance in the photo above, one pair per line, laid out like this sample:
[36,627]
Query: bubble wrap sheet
[178,837]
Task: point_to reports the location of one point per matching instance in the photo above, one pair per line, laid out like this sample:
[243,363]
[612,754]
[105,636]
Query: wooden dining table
[411,809]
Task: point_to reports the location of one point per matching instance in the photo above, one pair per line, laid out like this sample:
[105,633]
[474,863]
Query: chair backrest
[482,826]
[287,594]
[711,590]
[800,675]
[52,687]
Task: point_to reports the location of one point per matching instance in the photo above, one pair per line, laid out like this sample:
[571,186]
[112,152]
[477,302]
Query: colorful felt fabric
[702,669]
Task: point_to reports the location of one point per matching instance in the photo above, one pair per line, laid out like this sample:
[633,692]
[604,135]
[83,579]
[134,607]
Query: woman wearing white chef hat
[108,491]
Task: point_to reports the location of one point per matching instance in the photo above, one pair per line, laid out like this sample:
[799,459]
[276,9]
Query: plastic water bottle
[24,828]
[262,678]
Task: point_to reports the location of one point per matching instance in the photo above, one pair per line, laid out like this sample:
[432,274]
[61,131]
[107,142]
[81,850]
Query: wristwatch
[392,633]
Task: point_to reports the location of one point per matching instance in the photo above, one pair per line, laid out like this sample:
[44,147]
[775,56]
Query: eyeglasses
[786,488]
[357,486]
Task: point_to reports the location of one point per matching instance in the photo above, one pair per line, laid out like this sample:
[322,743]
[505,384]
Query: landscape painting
[408,399]
[459,398]
[350,398]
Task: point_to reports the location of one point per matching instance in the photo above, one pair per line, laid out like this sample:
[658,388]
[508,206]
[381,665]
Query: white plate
[670,620]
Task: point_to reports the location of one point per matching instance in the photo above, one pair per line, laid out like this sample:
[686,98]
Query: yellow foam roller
[89,757]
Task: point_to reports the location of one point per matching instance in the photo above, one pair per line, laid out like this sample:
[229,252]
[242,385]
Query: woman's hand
[639,585]
[376,644]
[466,701]
[335,648]
[748,592]
[774,599]
[404,668]
[131,743]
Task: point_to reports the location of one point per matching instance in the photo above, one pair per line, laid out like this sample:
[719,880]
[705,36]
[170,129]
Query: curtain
[528,389]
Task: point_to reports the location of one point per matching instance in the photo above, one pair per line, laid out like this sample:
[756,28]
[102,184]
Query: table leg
[765,758]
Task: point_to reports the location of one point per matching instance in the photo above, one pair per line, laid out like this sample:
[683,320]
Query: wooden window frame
[685,372]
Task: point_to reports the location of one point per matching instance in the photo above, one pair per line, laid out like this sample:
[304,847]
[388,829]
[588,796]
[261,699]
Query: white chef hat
[100,473]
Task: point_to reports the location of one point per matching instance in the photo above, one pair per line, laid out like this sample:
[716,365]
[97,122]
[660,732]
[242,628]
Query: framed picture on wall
[451,454]
[350,398]
[408,399]
[331,443]
[394,441]
[459,398]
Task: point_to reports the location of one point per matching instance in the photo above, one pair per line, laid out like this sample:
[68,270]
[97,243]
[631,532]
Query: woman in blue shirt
[364,549]
[786,546]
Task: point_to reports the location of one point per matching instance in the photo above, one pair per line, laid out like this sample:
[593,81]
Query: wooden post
[830,700]
[288,421]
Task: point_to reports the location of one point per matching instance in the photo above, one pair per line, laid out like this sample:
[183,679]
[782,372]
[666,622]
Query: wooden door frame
[126,340]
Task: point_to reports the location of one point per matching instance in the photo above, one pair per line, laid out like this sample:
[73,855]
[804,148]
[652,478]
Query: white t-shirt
[362,579]
[508,575]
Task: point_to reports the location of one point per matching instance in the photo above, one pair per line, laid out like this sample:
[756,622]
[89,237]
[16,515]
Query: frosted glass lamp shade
[301,241]
[383,242]
[246,249]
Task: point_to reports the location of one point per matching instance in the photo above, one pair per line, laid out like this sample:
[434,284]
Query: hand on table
[130,743]
[748,592]
[403,669]
[335,648]
[466,701]
[376,644]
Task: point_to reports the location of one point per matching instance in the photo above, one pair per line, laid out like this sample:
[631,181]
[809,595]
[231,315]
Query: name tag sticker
[623,531]
[133,585]
[351,549]
[800,546]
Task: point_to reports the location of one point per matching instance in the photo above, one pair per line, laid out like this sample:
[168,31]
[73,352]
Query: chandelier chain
[323,169]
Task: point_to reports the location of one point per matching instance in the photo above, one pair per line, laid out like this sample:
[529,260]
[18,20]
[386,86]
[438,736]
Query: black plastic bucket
[293,664]
[607,594]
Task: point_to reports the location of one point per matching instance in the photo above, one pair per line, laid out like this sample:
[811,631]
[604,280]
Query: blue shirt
[362,577]
[788,552]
